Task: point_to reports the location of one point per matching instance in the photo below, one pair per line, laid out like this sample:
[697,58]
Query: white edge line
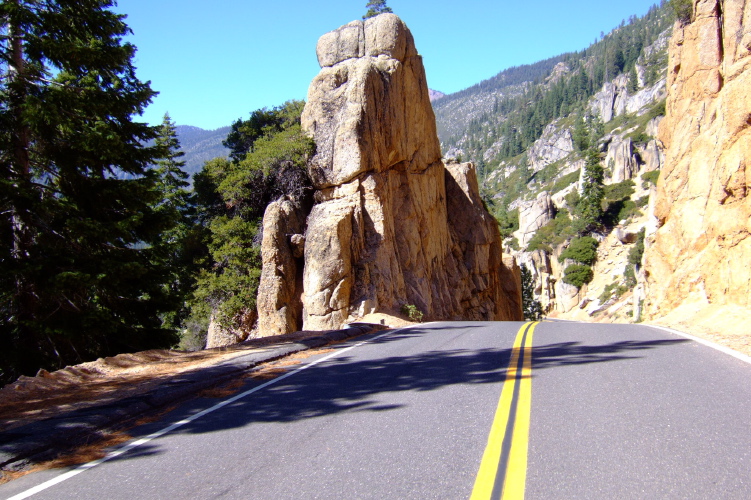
[141,441]
[705,342]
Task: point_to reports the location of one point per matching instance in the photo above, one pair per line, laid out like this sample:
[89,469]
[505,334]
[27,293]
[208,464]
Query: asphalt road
[612,411]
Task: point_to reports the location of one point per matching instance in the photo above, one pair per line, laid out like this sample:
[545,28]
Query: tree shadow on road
[346,384]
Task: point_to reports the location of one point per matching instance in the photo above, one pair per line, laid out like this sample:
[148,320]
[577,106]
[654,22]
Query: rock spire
[391,224]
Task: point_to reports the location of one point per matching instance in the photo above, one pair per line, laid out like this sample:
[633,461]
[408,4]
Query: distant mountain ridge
[200,145]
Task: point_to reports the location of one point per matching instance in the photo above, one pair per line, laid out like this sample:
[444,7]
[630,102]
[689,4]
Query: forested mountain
[201,145]
[501,117]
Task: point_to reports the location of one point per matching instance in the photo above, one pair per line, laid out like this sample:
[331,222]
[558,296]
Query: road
[453,410]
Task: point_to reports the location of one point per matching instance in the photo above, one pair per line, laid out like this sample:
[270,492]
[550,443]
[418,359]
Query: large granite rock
[279,299]
[621,160]
[553,145]
[392,225]
[533,215]
[699,255]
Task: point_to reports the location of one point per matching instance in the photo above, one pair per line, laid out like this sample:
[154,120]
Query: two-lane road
[577,411]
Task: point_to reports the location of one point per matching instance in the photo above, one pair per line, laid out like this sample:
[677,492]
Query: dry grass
[110,379]
[93,450]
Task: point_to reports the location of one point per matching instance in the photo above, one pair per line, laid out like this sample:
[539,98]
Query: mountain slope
[200,145]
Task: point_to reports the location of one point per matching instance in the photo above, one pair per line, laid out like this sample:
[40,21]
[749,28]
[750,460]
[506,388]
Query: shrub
[412,312]
[553,233]
[577,275]
[620,190]
[565,182]
[683,9]
[583,250]
[650,178]
[531,307]
[613,290]
[637,251]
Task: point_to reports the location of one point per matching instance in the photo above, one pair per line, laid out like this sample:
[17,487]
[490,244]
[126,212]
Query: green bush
[613,290]
[412,312]
[583,250]
[657,110]
[577,275]
[532,308]
[637,251]
[649,178]
[565,182]
[683,9]
[553,233]
[620,190]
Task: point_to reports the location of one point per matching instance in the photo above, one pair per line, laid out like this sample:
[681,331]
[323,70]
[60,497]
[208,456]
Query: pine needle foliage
[376,7]
[81,271]
[269,161]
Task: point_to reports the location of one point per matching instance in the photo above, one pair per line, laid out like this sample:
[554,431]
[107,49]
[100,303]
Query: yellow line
[516,473]
[517,468]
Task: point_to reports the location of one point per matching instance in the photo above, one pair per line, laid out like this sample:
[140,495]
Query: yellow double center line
[503,470]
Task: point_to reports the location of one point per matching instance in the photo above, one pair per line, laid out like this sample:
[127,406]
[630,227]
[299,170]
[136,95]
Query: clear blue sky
[213,62]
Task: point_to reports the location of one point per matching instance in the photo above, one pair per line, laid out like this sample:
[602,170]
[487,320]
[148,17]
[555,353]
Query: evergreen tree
[79,273]
[182,246]
[376,7]
[593,191]
[531,308]
[233,197]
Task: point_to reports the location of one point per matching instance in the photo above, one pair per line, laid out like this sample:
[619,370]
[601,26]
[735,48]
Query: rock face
[621,160]
[533,215]
[615,99]
[700,252]
[554,144]
[392,225]
[279,299]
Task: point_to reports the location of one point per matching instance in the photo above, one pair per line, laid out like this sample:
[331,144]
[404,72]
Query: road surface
[454,410]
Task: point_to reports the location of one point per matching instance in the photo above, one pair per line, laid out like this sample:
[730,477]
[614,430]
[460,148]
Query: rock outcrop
[533,215]
[698,258]
[391,225]
[555,144]
[621,160]
[279,299]
[615,99]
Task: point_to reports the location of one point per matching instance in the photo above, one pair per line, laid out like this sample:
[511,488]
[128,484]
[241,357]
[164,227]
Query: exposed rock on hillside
[555,144]
[391,225]
[621,160]
[614,99]
[533,215]
[699,256]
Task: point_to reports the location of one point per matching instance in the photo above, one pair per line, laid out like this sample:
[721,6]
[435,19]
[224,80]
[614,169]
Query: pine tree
[376,7]
[79,274]
[181,247]
[593,191]
[532,308]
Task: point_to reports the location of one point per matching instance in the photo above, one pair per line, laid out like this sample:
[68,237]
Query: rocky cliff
[391,224]
[699,255]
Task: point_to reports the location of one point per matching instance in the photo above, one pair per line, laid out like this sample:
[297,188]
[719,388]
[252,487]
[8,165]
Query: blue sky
[213,62]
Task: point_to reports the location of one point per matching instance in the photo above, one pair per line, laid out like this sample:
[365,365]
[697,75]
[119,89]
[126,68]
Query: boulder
[652,156]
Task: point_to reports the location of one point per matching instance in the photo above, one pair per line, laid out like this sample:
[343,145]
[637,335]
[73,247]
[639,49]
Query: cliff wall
[697,259]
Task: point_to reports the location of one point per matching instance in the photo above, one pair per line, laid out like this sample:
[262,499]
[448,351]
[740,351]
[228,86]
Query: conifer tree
[376,7]
[79,274]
